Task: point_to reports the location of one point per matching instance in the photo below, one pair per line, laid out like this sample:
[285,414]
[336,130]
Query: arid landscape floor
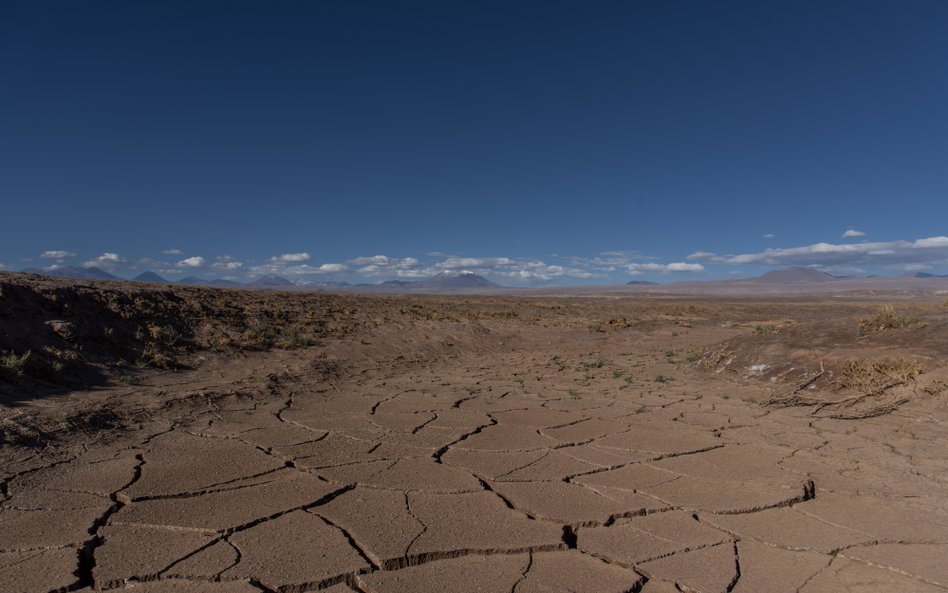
[453,444]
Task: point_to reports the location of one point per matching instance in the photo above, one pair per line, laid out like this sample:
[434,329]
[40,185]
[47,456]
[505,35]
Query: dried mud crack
[531,455]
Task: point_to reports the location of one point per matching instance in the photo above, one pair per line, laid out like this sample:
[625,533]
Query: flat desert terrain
[175,439]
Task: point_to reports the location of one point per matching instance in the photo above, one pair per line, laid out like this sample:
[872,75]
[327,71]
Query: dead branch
[791,399]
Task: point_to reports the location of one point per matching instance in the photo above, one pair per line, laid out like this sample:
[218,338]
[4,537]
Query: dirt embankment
[865,360]
[60,336]
[431,443]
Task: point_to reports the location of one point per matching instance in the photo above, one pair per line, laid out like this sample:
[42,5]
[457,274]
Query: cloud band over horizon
[607,267]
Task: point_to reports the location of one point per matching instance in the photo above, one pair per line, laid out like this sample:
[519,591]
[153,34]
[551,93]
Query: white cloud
[107,261]
[705,255]
[291,258]
[173,252]
[415,273]
[683,267]
[297,270]
[459,263]
[375,260]
[852,233]
[609,260]
[327,268]
[932,250]
[768,236]
[538,270]
[226,263]
[383,265]
[638,268]
[192,262]
[526,270]
[57,254]
[931,242]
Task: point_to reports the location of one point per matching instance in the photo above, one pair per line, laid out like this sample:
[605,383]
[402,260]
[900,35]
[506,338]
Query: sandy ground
[540,452]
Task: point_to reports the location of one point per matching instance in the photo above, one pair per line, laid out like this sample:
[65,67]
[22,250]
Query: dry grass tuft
[869,379]
[873,376]
[886,318]
[295,338]
[14,365]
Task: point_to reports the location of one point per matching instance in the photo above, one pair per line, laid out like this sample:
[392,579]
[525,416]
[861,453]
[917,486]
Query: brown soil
[185,439]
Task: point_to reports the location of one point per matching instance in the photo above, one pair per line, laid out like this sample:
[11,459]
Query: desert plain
[180,439]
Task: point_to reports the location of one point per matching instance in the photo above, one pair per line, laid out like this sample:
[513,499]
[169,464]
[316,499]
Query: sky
[531,142]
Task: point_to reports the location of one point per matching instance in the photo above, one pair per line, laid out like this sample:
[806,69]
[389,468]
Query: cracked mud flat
[524,455]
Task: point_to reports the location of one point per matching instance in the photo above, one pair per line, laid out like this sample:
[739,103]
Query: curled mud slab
[531,455]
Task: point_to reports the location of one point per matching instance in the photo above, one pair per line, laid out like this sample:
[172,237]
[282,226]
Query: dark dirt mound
[57,335]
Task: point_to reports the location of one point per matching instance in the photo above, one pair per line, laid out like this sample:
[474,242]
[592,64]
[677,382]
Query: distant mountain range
[444,281]
[796,280]
[786,281]
[93,273]
[794,276]
[219,282]
[74,272]
[271,281]
[150,277]
[927,275]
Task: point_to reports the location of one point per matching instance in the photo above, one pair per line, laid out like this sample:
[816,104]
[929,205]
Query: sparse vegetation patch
[872,376]
[596,363]
[13,365]
[886,318]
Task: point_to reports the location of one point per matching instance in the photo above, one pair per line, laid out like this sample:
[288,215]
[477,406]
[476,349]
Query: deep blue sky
[547,133]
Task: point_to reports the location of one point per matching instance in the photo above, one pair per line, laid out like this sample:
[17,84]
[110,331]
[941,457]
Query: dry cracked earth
[507,457]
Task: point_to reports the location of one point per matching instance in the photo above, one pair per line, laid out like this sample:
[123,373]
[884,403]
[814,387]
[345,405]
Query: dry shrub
[618,323]
[45,366]
[325,370]
[13,364]
[886,318]
[153,356]
[164,334]
[873,376]
[711,358]
[255,336]
[295,338]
